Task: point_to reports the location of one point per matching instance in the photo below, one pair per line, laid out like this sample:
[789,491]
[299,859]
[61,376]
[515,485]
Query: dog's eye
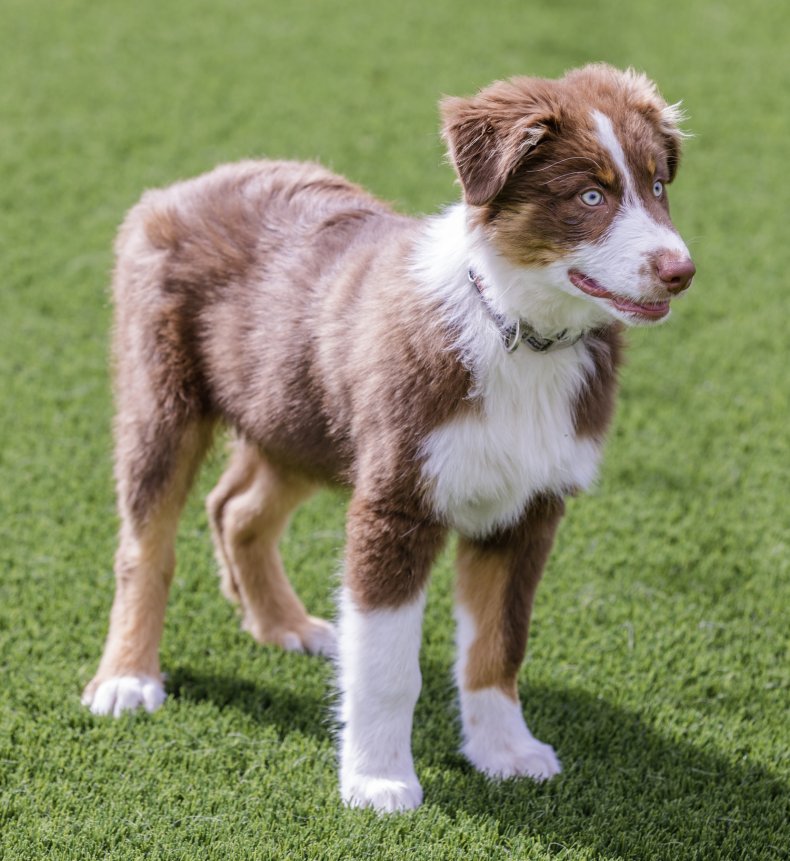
[592,197]
[658,188]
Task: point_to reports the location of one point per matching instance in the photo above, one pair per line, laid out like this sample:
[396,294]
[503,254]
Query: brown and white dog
[457,372]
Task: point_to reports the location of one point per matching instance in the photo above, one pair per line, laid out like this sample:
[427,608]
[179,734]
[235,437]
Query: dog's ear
[670,118]
[489,135]
[666,118]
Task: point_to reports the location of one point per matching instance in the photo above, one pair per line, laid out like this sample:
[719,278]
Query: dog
[457,373]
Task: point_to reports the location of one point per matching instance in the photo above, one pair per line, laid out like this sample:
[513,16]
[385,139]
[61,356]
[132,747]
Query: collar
[514,333]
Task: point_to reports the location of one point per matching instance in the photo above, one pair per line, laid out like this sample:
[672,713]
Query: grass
[659,657]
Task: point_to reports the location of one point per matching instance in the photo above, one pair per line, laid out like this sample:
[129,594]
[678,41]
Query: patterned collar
[520,331]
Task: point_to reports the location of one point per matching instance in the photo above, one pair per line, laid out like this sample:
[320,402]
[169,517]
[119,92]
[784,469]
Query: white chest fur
[483,467]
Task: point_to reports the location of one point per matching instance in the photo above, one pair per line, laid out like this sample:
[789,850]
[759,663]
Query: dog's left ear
[489,135]
[670,119]
[667,118]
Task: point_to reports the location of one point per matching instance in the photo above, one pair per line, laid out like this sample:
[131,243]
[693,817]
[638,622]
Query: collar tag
[514,334]
[512,337]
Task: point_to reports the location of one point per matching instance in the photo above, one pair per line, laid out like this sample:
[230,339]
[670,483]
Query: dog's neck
[516,332]
[541,296]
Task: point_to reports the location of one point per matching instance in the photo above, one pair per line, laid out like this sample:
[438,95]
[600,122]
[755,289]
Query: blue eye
[592,197]
[658,188]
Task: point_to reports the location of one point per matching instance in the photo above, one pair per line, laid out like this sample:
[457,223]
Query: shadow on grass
[626,790]
[267,702]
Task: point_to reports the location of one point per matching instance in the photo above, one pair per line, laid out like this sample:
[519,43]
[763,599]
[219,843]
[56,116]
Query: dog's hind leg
[248,511]
[163,427]
[156,460]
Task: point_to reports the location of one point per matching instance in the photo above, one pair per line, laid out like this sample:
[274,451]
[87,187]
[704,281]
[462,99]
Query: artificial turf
[659,653]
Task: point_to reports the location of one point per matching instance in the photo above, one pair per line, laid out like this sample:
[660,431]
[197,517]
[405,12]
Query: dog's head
[570,177]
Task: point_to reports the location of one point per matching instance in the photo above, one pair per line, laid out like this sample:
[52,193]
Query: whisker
[563,160]
[565,176]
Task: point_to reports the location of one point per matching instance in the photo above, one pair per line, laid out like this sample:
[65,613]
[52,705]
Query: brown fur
[596,401]
[497,580]
[279,330]
[276,298]
[144,565]
[524,149]
[248,512]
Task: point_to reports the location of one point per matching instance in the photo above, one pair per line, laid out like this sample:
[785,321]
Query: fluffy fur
[343,343]
[379,683]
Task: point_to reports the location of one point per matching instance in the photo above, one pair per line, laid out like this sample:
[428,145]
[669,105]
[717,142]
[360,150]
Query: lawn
[658,663]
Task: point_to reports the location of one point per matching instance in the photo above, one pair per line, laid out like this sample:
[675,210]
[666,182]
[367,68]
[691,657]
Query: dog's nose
[675,274]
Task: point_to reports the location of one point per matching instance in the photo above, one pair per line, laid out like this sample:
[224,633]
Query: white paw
[383,794]
[316,637]
[125,693]
[526,758]
[498,742]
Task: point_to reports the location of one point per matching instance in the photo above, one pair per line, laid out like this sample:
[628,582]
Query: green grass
[659,657]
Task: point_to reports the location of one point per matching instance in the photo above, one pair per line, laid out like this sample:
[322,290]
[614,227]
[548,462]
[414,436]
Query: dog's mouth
[642,310]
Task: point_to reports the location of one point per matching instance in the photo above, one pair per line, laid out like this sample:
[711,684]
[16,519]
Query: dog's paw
[317,637]
[382,794]
[120,694]
[501,759]
[314,636]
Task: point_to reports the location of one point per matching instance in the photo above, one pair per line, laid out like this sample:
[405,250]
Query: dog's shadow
[267,703]
[624,784]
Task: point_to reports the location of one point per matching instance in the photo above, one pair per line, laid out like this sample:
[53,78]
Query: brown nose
[675,274]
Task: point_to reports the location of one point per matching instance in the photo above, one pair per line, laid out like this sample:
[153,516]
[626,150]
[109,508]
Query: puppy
[457,372]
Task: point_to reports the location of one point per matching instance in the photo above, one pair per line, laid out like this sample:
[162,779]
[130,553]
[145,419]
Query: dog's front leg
[388,559]
[497,579]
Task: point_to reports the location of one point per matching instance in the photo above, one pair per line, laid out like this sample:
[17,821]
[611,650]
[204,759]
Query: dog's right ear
[489,135]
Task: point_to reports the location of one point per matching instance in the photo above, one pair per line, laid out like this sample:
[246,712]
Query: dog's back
[230,288]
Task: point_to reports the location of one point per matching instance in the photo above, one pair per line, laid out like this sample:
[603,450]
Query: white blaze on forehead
[634,234]
[609,141]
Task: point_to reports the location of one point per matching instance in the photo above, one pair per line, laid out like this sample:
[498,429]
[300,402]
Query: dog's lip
[651,310]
